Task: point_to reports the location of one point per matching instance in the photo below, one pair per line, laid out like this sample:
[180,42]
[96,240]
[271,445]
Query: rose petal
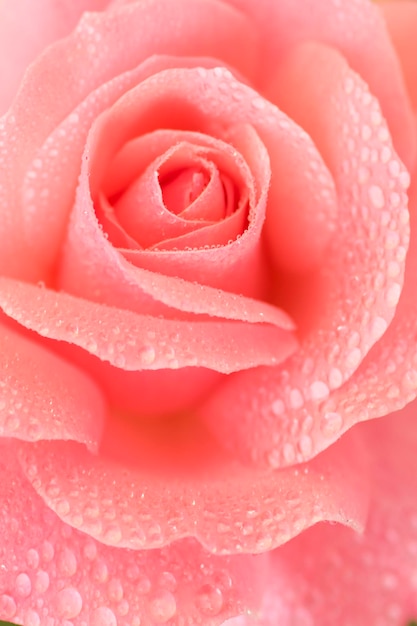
[357,30]
[346,307]
[125,498]
[26,29]
[401,20]
[139,342]
[375,573]
[50,571]
[44,397]
[74,68]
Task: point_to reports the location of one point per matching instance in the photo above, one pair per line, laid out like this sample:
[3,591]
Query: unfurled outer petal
[151,486]
[279,416]
[27,28]
[331,575]
[51,571]
[43,397]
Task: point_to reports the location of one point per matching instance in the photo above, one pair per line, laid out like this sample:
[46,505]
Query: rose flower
[207,266]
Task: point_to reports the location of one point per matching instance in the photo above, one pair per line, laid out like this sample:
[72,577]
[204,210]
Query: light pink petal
[330,575]
[132,341]
[145,208]
[73,69]
[233,244]
[357,30]
[43,397]
[343,309]
[52,572]
[156,483]
[91,266]
[27,29]
[401,20]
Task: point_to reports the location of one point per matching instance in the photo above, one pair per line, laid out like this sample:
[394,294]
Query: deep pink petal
[346,307]
[132,341]
[357,30]
[27,29]
[73,69]
[149,487]
[43,397]
[331,575]
[52,572]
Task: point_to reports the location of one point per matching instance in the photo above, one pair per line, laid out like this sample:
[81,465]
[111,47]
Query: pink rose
[206,279]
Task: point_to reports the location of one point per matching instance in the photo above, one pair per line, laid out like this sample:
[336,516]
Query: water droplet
[393,295]
[209,600]
[167,581]
[69,603]
[32,618]
[331,424]
[278,407]
[353,358]
[23,585]
[47,551]
[67,563]
[100,572]
[143,585]
[32,558]
[147,355]
[7,606]
[305,445]
[103,616]
[288,452]
[113,535]
[376,196]
[296,399]
[41,582]
[115,590]
[123,608]
[162,606]
[319,390]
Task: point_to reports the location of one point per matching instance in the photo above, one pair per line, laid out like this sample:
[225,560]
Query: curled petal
[132,341]
[43,397]
[344,308]
[153,506]
[52,571]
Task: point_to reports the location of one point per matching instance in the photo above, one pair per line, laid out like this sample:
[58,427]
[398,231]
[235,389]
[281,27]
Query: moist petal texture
[358,32]
[132,341]
[51,571]
[331,575]
[75,67]
[26,30]
[345,307]
[43,397]
[151,486]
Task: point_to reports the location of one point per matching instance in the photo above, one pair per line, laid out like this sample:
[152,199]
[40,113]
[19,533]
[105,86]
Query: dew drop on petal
[209,600]
[7,606]
[23,585]
[162,606]
[331,424]
[103,616]
[69,603]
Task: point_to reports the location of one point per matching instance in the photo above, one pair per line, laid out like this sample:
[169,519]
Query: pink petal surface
[53,574]
[401,20]
[357,30]
[127,498]
[90,265]
[44,397]
[26,29]
[234,244]
[345,307]
[132,341]
[330,575]
[75,67]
